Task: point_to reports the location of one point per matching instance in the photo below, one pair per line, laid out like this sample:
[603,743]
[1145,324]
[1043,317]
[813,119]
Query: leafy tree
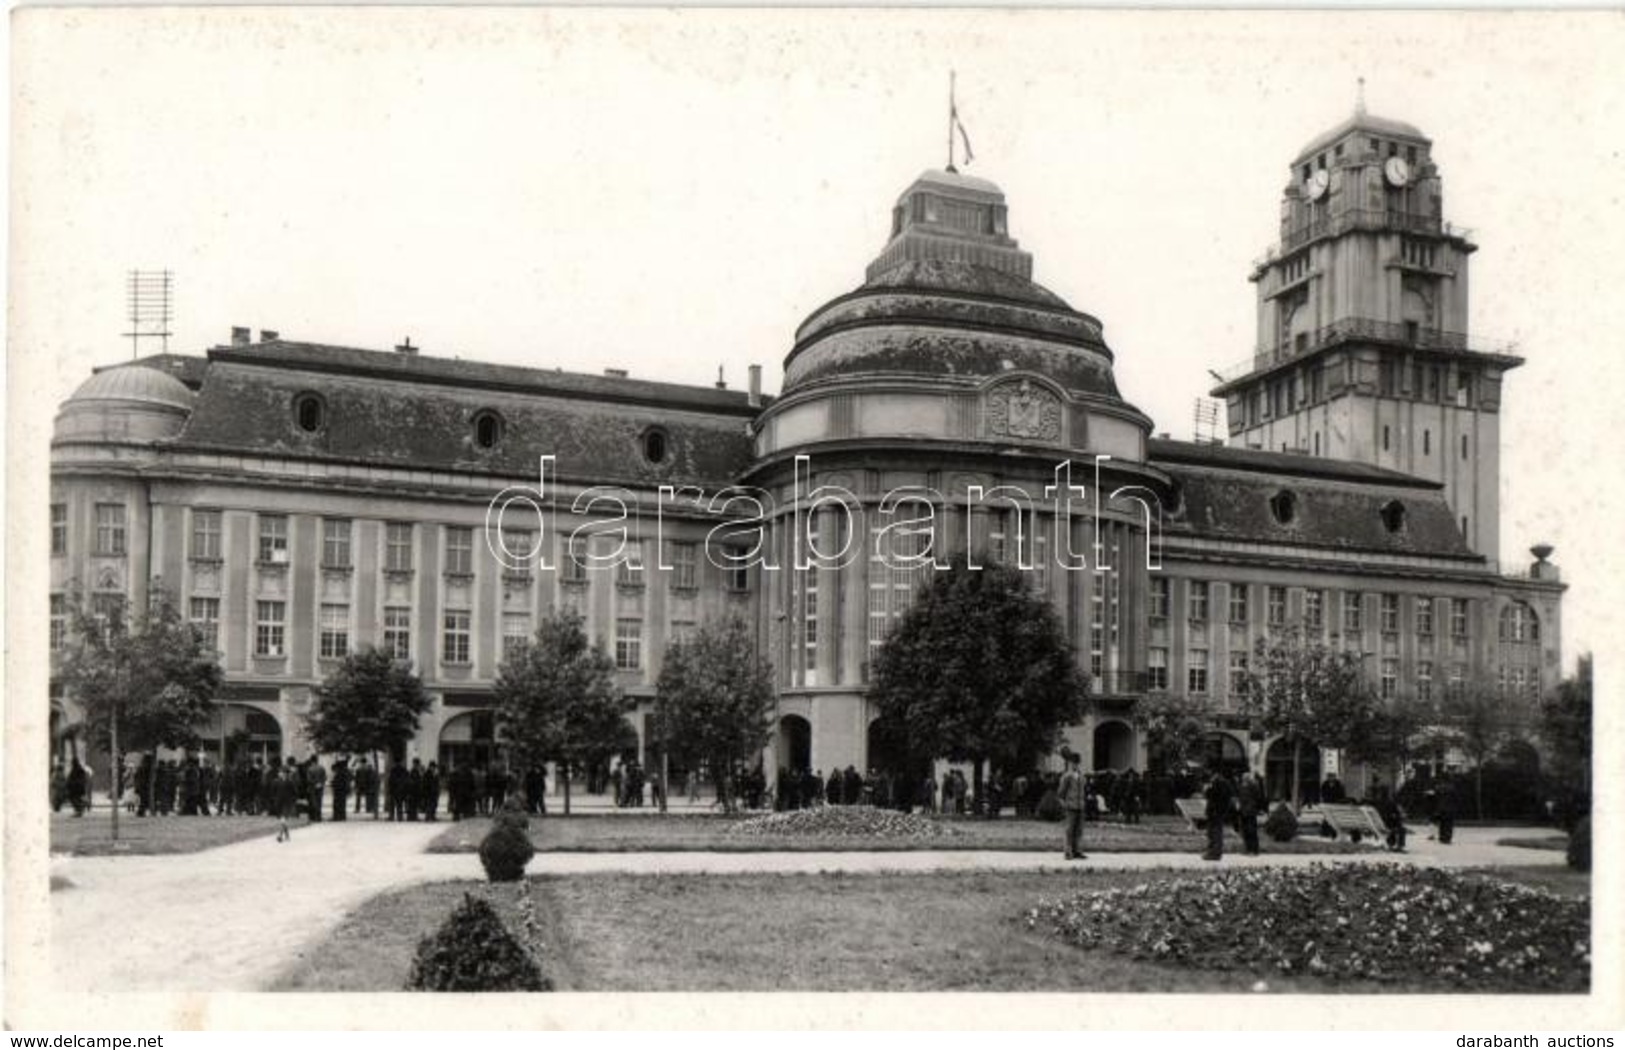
[714,699]
[1173,727]
[1566,727]
[145,680]
[1304,689]
[371,703]
[1475,720]
[978,670]
[1398,730]
[556,698]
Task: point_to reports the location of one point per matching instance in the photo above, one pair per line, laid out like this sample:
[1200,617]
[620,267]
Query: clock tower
[1363,351]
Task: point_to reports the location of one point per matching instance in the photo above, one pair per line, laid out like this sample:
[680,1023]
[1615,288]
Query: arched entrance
[1114,746]
[470,739]
[794,746]
[1278,770]
[1222,751]
[242,732]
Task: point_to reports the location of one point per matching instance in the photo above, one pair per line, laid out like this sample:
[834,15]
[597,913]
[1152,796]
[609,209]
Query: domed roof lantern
[948,217]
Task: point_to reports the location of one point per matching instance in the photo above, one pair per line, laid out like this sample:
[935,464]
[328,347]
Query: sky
[670,192]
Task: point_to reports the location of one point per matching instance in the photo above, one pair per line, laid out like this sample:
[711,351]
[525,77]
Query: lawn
[634,834]
[828,932]
[1557,843]
[93,835]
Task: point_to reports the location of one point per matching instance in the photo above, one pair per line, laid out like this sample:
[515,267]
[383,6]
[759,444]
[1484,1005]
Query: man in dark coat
[395,790]
[143,786]
[1444,809]
[429,792]
[78,788]
[414,790]
[366,786]
[341,788]
[315,788]
[1221,802]
[462,791]
[832,790]
[1250,799]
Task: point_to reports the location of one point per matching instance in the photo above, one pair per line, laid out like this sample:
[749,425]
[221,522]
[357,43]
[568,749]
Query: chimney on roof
[241,336]
[615,373]
[755,398]
[722,384]
[405,347]
[269,335]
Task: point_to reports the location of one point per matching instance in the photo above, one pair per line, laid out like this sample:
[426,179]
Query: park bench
[1194,810]
[1347,821]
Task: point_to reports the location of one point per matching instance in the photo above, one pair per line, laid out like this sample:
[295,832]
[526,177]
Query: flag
[953,112]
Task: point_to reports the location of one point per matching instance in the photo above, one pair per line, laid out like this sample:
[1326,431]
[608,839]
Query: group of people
[70,786]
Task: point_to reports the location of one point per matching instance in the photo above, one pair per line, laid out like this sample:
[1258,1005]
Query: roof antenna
[1359,98]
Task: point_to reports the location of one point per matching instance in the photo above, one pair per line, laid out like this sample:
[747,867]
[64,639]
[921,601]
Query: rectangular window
[1196,671]
[59,621]
[59,528]
[335,543]
[398,631]
[1464,446]
[269,621]
[1198,600]
[1276,599]
[518,545]
[459,550]
[1352,621]
[1427,442]
[333,641]
[685,563]
[1458,678]
[1424,617]
[1238,604]
[575,560]
[1424,680]
[110,537]
[1238,674]
[205,616]
[682,631]
[629,573]
[1390,614]
[1314,609]
[1159,597]
[273,545]
[206,535]
[809,626]
[628,644]
[1156,668]
[1097,626]
[398,546]
[454,643]
[515,633]
[1390,677]
[1458,618]
[737,573]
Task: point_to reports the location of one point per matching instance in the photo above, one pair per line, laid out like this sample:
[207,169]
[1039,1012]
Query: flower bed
[845,821]
[1378,922]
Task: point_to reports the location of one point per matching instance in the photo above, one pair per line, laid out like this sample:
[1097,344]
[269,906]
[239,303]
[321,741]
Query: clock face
[1319,182]
[1397,171]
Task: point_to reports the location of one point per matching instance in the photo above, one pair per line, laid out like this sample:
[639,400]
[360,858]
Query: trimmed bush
[1282,824]
[507,847]
[1049,807]
[1580,845]
[512,814]
[473,952]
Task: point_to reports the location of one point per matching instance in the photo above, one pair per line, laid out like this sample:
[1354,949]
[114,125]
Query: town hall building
[301,500]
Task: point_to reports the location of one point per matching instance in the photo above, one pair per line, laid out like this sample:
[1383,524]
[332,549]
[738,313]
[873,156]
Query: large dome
[135,383]
[126,404]
[951,295]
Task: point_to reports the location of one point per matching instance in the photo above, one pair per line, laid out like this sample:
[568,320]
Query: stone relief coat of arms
[1024,410]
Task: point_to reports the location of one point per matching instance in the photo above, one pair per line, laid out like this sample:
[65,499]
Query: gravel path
[230,919]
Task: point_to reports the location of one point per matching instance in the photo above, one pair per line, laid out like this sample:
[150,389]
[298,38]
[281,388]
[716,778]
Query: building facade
[300,500]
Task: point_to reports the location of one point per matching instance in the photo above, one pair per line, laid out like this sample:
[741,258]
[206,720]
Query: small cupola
[946,216]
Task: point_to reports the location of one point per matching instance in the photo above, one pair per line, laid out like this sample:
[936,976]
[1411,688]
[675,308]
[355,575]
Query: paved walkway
[230,919]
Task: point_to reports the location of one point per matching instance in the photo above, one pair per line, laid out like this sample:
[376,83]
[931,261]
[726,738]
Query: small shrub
[1282,824]
[473,952]
[505,851]
[1580,845]
[1049,806]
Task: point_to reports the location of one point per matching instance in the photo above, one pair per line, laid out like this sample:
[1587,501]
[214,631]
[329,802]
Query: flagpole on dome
[952,117]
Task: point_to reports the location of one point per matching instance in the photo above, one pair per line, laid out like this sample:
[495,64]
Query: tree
[1304,689]
[372,702]
[1173,727]
[145,681]
[714,699]
[1475,720]
[1565,719]
[978,670]
[557,699]
[1398,730]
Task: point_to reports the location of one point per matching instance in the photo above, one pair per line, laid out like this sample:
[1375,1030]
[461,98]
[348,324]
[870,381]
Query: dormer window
[1393,516]
[309,412]
[1284,507]
[656,446]
[488,427]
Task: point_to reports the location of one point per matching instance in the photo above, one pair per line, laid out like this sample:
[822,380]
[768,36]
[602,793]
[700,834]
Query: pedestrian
[1250,801]
[287,794]
[1394,817]
[78,785]
[342,780]
[1221,803]
[1071,794]
[1444,810]
[430,793]
[395,790]
[315,788]
[414,790]
[366,786]
[1134,796]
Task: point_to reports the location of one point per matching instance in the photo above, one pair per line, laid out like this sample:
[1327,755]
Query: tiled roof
[402,411]
[1347,507]
[1289,464]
